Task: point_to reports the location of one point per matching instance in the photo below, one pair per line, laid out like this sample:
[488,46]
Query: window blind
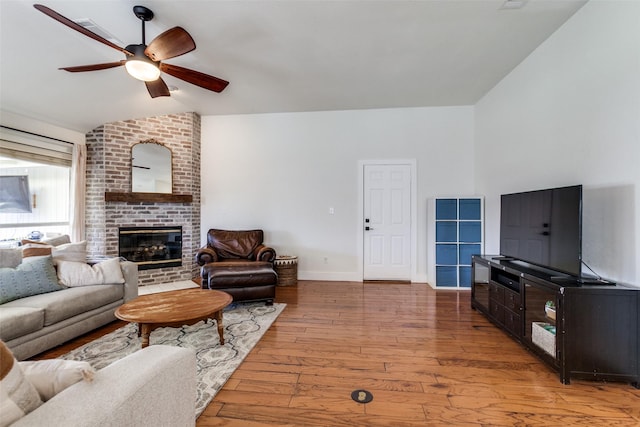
[30,147]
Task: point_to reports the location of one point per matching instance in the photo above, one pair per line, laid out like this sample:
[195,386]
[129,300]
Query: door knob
[368,228]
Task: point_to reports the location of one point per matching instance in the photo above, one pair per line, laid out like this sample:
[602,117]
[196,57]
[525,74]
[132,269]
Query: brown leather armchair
[238,262]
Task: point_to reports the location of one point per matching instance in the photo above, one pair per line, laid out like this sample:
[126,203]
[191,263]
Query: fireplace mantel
[147,197]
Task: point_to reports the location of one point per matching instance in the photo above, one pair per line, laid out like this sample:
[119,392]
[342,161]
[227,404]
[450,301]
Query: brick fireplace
[109,172]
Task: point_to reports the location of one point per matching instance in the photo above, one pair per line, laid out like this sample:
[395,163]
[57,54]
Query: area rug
[244,325]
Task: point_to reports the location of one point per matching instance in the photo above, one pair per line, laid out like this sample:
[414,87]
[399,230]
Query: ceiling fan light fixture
[139,66]
[143,70]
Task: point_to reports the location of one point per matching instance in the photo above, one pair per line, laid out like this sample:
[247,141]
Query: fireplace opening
[151,247]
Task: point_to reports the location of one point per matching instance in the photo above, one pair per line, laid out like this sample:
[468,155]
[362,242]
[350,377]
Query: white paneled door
[387,222]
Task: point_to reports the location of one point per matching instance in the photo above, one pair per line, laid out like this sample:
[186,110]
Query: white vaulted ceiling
[278,55]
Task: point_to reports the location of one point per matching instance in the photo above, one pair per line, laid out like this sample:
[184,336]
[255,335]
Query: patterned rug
[244,325]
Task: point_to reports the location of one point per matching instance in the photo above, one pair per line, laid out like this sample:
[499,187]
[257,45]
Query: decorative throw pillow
[18,396]
[29,278]
[50,377]
[81,274]
[53,241]
[66,252]
[10,257]
[70,252]
[35,249]
[58,240]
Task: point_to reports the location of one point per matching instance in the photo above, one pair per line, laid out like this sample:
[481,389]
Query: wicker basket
[543,338]
[286,267]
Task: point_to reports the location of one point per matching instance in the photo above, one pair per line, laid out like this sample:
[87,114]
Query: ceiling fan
[144,62]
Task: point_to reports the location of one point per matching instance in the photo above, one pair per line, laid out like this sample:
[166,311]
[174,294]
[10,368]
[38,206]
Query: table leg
[145,331]
[218,316]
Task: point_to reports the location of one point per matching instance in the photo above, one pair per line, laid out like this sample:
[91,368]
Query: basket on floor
[286,267]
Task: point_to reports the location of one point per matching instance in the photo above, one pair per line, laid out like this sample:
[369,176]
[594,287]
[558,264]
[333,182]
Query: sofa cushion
[229,274]
[18,397]
[32,278]
[18,321]
[82,274]
[69,302]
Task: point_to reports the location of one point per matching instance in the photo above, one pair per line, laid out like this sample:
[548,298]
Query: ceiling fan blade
[79,28]
[173,42]
[195,77]
[93,67]
[157,88]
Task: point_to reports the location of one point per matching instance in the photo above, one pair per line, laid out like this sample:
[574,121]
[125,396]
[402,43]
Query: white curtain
[78,190]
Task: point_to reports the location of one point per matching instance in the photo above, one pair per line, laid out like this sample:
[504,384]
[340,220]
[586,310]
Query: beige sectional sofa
[155,386]
[36,323]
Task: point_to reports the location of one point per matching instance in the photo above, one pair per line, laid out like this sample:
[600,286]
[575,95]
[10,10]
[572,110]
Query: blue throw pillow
[38,276]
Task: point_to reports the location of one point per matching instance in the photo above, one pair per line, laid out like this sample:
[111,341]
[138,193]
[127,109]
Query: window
[46,164]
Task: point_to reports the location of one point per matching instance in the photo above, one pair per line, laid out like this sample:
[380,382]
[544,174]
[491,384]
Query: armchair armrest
[205,255]
[151,387]
[264,253]
[130,273]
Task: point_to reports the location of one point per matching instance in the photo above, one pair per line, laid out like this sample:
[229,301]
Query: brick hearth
[109,170]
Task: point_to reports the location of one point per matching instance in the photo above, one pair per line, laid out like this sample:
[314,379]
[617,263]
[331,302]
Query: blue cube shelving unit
[459,234]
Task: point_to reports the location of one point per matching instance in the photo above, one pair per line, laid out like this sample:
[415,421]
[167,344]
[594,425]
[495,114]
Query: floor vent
[362,396]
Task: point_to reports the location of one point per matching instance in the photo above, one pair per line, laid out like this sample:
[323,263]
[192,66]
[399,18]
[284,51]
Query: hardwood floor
[425,355]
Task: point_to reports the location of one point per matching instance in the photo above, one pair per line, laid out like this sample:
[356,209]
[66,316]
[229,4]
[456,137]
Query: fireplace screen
[151,247]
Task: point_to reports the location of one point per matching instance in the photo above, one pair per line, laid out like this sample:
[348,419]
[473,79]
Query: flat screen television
[544,228]
[14,194]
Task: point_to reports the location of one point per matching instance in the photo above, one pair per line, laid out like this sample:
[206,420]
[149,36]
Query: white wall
[282,173]
[570,114]
[27,124]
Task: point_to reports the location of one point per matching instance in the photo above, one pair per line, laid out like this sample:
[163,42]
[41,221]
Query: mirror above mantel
[151,168]
[151,176]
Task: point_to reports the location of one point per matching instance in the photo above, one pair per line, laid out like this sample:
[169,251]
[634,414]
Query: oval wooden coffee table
[174,309]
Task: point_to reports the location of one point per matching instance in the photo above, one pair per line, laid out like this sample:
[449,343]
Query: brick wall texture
[109,169]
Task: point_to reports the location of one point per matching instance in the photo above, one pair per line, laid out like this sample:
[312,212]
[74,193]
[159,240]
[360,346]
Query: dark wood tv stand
[596,326]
